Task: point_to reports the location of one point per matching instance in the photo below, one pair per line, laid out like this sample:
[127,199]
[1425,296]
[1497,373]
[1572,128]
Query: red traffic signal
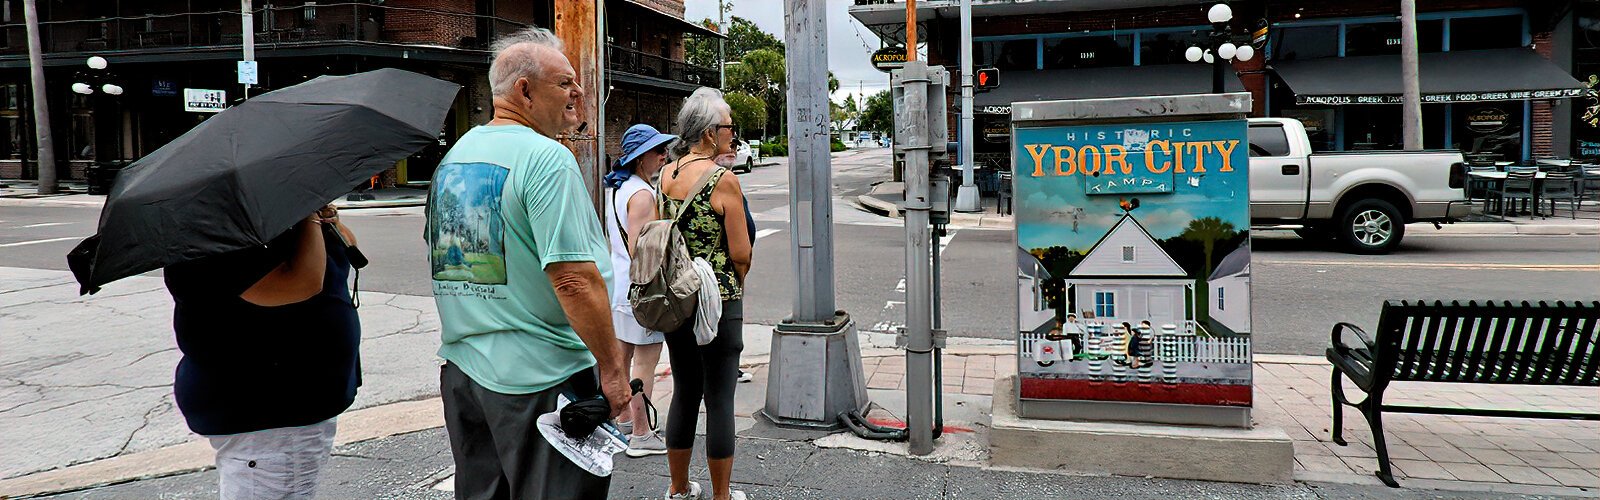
[986,79]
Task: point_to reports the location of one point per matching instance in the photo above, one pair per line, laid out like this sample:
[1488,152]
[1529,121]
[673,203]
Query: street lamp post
[96,82]
[1220,50]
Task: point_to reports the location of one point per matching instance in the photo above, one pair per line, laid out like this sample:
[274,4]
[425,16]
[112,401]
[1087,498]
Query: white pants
[273,464]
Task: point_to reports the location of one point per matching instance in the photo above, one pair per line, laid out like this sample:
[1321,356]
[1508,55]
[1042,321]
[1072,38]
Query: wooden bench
[1476,343]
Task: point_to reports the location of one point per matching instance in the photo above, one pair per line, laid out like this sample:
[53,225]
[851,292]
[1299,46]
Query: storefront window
[1168,47]
[1586,58]
[1374,39]
[10,121]
[80,141]
[1306,42]
[1372,127]
[1478,33]
[1088,52]
[1494,127]
[1007,54]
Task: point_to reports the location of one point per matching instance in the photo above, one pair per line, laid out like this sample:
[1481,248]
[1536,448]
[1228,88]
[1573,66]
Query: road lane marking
[1437,265]
[46,224]
[766,232]
[35,242]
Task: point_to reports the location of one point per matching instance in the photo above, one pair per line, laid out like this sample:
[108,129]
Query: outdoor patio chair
[1478,187]
[1517,186]
[1589,181]
[1560,187]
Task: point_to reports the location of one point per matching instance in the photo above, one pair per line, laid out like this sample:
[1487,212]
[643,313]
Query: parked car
[1362,199]
[743,157]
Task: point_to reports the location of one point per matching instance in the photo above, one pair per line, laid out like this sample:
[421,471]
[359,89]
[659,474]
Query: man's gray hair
[701,112]
[504,71]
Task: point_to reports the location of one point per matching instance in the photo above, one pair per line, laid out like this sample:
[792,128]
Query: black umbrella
[251,172]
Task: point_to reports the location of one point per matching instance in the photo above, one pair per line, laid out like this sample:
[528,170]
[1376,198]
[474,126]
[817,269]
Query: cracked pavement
[88,378]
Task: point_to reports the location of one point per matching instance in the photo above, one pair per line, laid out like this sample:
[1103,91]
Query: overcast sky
[850,44]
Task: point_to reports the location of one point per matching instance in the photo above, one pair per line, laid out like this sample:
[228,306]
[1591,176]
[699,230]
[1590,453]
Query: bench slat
[1589,373]
[1481,335]
[1518,343]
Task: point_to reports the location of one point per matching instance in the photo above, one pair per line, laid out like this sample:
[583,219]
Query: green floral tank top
[703,232]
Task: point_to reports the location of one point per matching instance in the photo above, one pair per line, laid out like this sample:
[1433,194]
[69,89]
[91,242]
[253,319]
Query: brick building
[159,50]
[1496,74]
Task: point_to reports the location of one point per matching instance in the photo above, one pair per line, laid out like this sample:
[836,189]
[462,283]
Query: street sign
[163,88]
[1258,37]
[889,58]
[1133,254]
[204,100]
[249,73]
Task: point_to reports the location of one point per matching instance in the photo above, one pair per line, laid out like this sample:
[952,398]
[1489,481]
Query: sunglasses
[719,127]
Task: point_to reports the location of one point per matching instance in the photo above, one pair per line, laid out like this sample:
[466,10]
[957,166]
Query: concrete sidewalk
[888,199]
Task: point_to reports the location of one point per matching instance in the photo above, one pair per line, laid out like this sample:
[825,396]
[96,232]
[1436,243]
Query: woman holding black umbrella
[270,355]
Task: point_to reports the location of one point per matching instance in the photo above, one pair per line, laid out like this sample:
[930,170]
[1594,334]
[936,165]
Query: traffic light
[986,79]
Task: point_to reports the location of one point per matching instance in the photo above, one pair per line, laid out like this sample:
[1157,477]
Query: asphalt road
[1301,288]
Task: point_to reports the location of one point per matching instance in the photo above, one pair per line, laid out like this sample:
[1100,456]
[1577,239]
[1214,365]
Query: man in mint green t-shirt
[519,265]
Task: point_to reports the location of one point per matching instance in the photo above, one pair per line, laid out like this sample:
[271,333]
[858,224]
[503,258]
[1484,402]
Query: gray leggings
[705,372]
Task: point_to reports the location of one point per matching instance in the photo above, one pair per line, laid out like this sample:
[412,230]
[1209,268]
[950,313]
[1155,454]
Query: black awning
[1464,76]
[1098,83]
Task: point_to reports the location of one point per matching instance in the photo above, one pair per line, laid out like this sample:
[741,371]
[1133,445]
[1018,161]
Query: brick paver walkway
[1475,452]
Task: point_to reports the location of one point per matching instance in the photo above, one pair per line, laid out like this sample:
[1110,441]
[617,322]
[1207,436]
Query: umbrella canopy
[251,172]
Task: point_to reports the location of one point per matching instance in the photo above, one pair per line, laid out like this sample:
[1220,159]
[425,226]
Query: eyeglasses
[729,127]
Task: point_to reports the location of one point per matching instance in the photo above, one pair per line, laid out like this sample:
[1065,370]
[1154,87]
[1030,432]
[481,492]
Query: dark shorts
[498,450]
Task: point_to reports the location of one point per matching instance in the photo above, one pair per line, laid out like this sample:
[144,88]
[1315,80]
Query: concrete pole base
[815,374]
[967,199]
[1250,455]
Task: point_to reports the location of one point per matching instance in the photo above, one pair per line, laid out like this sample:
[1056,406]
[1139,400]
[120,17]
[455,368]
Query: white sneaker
[646,445]
[745,376]
[736,495]
[694,493]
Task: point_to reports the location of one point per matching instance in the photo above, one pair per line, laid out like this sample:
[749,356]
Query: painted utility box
[1133,259]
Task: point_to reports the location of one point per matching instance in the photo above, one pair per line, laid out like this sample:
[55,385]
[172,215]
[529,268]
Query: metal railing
[626,60]
[273,25]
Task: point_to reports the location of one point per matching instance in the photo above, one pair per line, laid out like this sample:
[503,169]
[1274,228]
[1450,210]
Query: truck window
[1268,140]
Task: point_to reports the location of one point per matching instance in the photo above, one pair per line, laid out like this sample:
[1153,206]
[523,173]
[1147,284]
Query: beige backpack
[663,293]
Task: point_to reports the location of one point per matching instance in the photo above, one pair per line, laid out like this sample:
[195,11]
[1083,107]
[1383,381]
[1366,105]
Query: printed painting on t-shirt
[466,232]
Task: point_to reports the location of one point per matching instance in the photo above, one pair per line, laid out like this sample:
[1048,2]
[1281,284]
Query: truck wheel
[1371,226]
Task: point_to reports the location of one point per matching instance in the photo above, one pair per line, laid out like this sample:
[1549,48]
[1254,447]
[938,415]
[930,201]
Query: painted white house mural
[1133,264]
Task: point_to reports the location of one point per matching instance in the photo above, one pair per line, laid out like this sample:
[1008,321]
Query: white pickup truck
[1363,199]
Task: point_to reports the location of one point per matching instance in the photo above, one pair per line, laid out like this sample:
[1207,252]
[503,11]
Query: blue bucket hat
[639,139]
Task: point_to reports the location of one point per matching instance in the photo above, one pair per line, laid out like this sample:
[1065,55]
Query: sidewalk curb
[354,426]
[1504,228]
[358,205]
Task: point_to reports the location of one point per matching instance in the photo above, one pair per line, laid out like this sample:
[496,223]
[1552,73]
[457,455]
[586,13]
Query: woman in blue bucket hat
[629,193]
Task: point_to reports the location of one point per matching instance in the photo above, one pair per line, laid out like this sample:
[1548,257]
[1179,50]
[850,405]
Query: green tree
[878,113]
[743,37]
[749,112]
[1206,231]
[760,73]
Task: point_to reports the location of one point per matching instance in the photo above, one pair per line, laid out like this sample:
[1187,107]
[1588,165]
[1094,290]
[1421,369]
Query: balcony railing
[627,60]
[273,25]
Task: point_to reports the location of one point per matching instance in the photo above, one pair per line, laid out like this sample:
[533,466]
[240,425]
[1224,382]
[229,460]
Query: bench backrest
[1490,342]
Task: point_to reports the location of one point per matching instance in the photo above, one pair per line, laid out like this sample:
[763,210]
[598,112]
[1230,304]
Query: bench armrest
[1337,342]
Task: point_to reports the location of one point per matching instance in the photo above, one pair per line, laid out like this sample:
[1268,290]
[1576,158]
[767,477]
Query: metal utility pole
[815,375]
[967,199]
[1411,86]
[41,107]
[722,52]
[247,17]
[919,296]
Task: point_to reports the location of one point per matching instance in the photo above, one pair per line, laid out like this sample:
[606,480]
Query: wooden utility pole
[911,30]
[577,27]
[41,106]
[1411,86]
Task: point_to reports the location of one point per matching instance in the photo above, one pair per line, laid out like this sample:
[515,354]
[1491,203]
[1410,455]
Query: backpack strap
[618,216]
[700,185]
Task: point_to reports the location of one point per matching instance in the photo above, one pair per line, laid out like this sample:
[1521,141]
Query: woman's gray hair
[504,71]
[701,112]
